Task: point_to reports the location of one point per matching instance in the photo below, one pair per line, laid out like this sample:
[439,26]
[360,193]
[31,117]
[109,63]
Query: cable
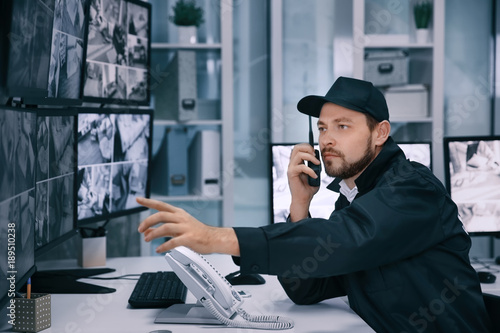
[250,321]
[123,277]
[485,265]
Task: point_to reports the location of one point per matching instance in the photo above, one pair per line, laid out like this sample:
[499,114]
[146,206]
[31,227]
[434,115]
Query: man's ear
[382,132]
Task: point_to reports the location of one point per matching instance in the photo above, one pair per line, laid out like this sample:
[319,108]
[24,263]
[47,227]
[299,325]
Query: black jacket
[399,252]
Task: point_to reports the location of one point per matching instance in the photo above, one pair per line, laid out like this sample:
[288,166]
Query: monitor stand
[65,281]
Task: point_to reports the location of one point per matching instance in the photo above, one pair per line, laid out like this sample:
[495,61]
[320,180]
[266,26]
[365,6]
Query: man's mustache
[331,151]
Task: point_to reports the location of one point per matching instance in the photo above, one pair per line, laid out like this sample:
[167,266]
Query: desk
[111,313]
[489,288]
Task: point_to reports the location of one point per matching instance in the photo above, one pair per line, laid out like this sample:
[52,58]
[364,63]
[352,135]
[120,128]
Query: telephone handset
[215,293]
[316,168]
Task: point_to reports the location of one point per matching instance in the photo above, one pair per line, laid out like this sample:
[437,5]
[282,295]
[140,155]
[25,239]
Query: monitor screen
[323,202]
[17,199]
[114,154]
[55,178]
[418,151]
[118,52]
[473,179]
[46,51]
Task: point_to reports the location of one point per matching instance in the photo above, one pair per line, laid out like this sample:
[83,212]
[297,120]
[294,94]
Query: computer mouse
[486,277]
[237,278]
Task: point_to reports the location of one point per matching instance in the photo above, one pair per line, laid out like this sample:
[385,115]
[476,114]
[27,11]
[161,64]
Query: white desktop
[111,312]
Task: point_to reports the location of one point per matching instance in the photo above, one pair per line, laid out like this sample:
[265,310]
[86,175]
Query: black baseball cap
[354,94]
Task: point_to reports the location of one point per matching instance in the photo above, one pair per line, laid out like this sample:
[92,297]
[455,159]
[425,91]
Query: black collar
[370,175]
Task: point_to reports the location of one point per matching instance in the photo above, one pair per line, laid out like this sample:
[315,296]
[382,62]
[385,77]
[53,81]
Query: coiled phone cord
[251,321]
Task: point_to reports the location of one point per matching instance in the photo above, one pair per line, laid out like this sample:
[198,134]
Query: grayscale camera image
[42,215]
[118,39]
[66,61]
[17,152]
[474,168]
[55,178]
[113,153]
[137,51]
[30,42]
[69,17]
[138,21]
[137,85]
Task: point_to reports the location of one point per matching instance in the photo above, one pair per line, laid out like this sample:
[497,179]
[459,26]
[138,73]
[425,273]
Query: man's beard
[347,170]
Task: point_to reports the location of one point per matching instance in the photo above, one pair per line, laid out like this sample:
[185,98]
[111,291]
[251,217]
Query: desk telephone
[215,293]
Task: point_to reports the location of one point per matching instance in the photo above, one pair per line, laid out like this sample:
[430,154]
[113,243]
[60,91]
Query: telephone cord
[251,321]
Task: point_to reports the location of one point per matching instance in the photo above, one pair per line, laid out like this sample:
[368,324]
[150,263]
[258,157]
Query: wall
[251,113]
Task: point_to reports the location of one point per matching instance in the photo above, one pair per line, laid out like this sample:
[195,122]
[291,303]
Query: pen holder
[33,314]
[92,251]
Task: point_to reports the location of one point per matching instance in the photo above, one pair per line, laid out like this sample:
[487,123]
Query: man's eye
[321,129]
[343,126]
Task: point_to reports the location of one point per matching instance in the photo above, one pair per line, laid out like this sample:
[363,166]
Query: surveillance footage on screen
[29,51]
[66,58]
[54,178]
[113,154]
[474,168]
[117,51]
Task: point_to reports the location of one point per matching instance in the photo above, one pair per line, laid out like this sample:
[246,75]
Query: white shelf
[163,122]
[393,41]
[178,198]
[410,119]
[409,45]
[200,46]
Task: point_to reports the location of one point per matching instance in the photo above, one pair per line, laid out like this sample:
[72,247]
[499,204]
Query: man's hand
[185,230]
[297,173]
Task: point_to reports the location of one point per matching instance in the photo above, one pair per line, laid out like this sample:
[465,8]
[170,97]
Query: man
[394,244]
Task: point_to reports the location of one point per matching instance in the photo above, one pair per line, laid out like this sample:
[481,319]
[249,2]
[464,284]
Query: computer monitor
[323,203]
[55,169]
[118,52]
[46,51]
[114,154]
[17,199]
[55,203]
[420,151]
[472,176]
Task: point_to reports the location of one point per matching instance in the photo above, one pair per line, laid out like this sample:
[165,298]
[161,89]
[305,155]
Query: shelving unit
[426,66]
[222,120]
[167,46]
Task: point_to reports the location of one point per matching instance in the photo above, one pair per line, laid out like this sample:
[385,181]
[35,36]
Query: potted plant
[422,12]
[187,17]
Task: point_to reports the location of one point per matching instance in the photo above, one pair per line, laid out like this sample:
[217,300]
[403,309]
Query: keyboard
[157,290]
